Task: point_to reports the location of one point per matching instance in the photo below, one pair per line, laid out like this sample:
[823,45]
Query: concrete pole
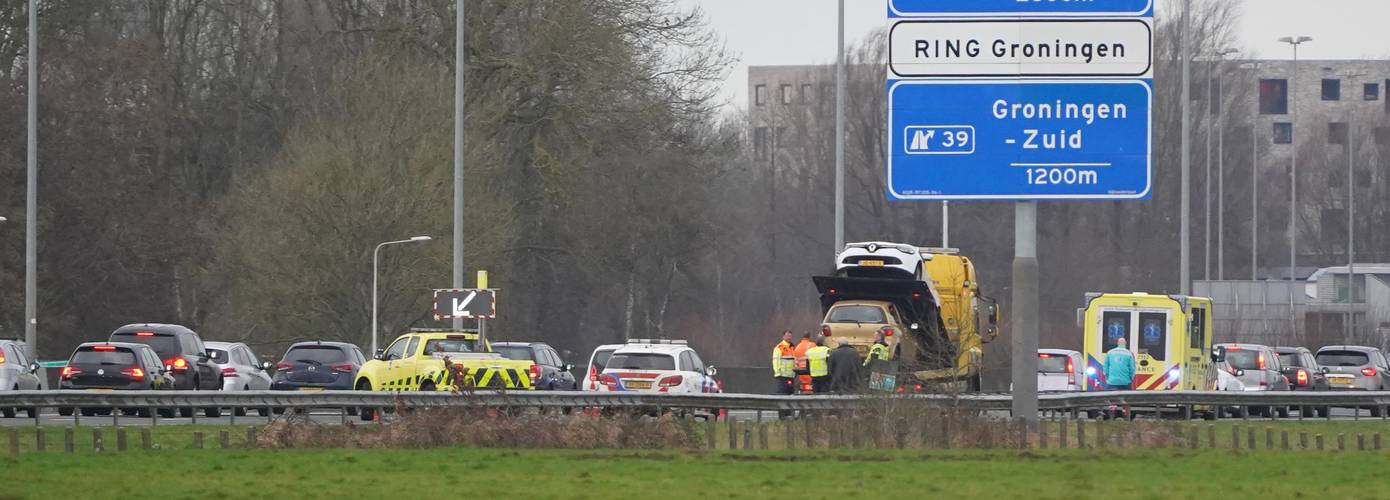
[31,197]
[1025,312]
[458,153]
[945,224]
[1185,218]
[839,133]
[1351,233]
[1220,180]
[1206,181]
[1255,196]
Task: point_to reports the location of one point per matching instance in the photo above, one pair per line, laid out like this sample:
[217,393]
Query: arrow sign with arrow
[468,303]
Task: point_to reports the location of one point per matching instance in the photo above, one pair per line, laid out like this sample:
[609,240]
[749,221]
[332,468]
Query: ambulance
[1170,336]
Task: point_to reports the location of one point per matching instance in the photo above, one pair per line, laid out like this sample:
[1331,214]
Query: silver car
[1258,368]
[1351,367]
[241,369]
[17,373]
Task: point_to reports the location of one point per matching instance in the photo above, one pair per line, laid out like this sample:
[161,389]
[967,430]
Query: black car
[1304,373]
[554,374]
[318,365]
[183,352]
[115,366]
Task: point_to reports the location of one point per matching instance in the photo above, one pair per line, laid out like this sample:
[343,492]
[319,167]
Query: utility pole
[458,152]
[840,134]
[1024,341]
[1221,165]
[1292,93]
[31,196]
[1184,253]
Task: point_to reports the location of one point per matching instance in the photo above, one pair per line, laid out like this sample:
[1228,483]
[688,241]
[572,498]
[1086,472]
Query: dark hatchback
[181,349]
[552,372]
[310,366]
[115,366]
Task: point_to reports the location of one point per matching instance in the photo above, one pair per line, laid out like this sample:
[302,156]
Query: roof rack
[443,330]
[656,341]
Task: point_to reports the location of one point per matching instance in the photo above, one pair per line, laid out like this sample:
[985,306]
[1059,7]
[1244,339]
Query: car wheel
[33,412]
[87,412]
[212,411]
[143,412]
[7,412]
[65,411]
[367,414]
[186,412]
[1323,411]
[265,412]
[1376,411]
[165,412]
[1283,412]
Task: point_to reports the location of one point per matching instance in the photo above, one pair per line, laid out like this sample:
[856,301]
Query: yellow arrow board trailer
[1170,336]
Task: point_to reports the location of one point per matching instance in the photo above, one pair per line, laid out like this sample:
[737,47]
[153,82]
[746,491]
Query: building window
[760,143]
[1371,91]
[1283,133]
[1382,136]
[759,94]
[1274,96]
[1337,133]
[779,141]
[786,93]
[1331,89]
[806,93]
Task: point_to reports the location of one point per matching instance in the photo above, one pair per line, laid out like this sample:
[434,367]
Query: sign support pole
[1025,312]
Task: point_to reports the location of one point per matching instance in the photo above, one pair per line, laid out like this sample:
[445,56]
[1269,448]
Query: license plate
[871,263]
[639,384]
[1340,381]
[311,388]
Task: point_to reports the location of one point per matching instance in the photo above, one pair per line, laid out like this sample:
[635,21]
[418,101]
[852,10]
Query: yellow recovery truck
[956,283]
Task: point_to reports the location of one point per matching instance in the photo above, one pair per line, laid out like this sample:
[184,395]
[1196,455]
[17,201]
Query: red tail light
[342,367]
[134,373]
[229,372]
[535,372]
[104,348]
[144,334]
[283,366]
[69,371]
[593,377]
[916,295]
[178,364]
[2,358]
[671,381]
[830,291]
[1302,377]
[887,332]
[805,387]
[1260,361]
[825,330]
[1070,368]
[1044,356]
[1368,371]
[608,380]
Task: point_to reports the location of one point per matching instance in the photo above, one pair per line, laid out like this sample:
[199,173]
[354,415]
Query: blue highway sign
[920,8]
[1019,139]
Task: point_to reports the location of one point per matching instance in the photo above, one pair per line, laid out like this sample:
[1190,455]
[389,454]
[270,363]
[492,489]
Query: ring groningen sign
[1019,99]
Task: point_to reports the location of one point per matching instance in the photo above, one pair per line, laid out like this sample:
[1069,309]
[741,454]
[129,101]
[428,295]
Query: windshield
[1343,358]
[449,345]
[520,353]
[1052,363]
[857,314]
[1290,359]
[164,345]
[1243,359]
[319,354]
[87,356]
[641,361]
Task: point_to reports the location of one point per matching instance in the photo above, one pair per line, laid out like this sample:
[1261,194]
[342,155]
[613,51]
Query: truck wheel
[977,383]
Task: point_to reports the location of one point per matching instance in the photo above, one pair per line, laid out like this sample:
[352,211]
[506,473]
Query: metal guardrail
[560,399]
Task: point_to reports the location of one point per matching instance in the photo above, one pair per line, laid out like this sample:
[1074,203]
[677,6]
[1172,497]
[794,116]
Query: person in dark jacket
[844,368]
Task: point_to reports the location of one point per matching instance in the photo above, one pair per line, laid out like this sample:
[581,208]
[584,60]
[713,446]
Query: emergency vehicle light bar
[656,341]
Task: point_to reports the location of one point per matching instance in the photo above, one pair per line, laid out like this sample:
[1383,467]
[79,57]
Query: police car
[657,366]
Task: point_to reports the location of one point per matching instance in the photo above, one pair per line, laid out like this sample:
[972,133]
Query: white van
[1057,370]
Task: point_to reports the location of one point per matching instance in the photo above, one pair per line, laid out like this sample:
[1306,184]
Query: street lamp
[1293,41]
[375,258]
[1220,168]
[1213,84]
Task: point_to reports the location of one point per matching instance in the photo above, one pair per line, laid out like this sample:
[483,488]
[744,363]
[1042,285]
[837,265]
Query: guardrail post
[1327,410]
[733,433]
[226,439]
[38,410]
[1269,438]
[1211,436]
[1062,433]
[1317,440]
[1193,437]
[1245,413]
[1360,442]
[1341,441]
[1284,439]
[748,436]
[1382,412]
[120,439]
[1081,433]
[145,438]
[40,439]
[251,437]
[14,442]
[762,436]
[198,440]
[809,430]
[96,439]
[68,445]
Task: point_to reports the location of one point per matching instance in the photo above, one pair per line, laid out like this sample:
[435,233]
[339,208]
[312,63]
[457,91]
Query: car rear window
[449,345]
[1243,359]
[1290,359]
[219,356]
[317,353]
[1343,358]
[601,359]
[857,314]
[91,356]
[641,361]
[1052,363]
[163,344]
[520,353]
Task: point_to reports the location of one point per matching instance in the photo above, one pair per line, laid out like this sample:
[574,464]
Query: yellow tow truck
[443,361]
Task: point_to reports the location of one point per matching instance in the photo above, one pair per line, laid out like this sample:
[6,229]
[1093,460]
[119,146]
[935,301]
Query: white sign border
[1145,75]
[895,13]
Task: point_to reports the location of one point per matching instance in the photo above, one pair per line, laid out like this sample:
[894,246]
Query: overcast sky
[766,32]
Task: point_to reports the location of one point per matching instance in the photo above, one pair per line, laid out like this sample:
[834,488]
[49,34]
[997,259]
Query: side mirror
[33,367]
[1218,354]
[914,326]
[1240,372]
[380,354]
[264,366]
[711,371]
[1323,370]
[1081,317]
[206,355]
[994,314]
[569,367]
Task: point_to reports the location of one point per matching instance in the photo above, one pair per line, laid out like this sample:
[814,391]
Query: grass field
[477,473]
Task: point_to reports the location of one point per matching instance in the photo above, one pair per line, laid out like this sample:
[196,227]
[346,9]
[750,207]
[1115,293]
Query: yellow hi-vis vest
[816,358]
[783,366]
[879,351]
